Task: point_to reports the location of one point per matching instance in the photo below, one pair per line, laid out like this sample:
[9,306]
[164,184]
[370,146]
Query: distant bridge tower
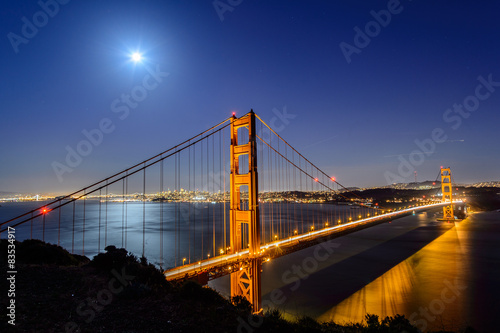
[246,281]
[446,189]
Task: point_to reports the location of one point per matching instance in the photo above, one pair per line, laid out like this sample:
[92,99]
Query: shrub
[33,251]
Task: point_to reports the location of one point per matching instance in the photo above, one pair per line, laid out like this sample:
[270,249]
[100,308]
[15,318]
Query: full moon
[136,57]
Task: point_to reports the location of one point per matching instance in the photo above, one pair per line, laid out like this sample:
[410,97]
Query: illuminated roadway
[227,261]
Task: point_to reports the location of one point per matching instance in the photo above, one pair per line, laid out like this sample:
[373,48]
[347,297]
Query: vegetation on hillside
[117,292]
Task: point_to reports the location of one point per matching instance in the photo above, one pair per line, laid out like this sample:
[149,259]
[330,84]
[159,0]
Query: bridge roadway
[209,269]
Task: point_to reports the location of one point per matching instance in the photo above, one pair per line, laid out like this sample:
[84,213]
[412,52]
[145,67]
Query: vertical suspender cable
[31,230]
[195,204]
[202,204]
[208,207]
[99,236]
[83,225]
[123,211]
[144,212]
[43,227]
[58,227]
[213,189]
[224,175]
[161,211]
[73,235]
[189,204]
[179,206]
[176,219]
[126,209]
[106,217]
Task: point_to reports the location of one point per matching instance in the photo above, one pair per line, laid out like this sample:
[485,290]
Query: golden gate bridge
[205,208]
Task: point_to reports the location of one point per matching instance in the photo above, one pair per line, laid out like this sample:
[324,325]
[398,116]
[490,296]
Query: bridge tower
[446,189]
[246,281]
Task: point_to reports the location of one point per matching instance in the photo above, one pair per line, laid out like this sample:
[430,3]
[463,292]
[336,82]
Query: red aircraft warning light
[315,179]
[45,210]
[333,179]
[234,113]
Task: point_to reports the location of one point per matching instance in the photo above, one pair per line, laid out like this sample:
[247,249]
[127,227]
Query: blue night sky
[358,95]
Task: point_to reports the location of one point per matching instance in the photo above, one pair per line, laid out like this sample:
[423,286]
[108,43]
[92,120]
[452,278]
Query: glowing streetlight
[183,260]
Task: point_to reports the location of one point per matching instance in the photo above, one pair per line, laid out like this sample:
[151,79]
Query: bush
[147,277]
[113,259]
[241,304]
[33,251]
[192,290]
[308,324]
